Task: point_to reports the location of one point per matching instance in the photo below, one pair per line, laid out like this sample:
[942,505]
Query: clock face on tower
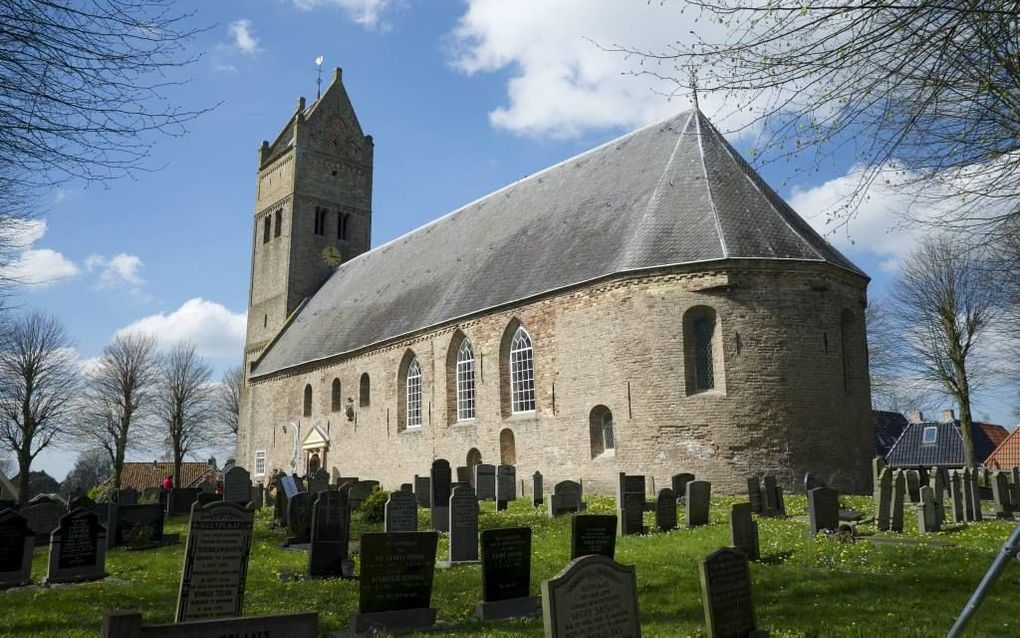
[331,256]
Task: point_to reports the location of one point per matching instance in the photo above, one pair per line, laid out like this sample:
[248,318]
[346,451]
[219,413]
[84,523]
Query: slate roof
[139,476]
[1007,454]
[668,194]
[909,451]
[888,428]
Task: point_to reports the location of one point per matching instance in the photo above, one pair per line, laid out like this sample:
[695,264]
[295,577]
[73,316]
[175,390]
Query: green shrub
[373,508]
[102,493]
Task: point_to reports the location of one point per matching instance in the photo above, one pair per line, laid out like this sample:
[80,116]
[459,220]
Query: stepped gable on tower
[670,194]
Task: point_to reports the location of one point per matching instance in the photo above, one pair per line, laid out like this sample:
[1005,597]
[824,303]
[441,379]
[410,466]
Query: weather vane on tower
[318,81]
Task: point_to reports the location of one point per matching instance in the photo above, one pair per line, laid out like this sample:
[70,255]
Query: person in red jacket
[168,483]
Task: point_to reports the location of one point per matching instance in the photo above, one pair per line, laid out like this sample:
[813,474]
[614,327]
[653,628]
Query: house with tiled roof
[888,428]
[939,443]
[1007,454]
[141,475]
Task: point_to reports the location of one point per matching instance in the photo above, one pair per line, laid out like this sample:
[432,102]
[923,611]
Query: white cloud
[37,267]
[367,13]
[117,272]
[214,329]
[242,33]
[562,82]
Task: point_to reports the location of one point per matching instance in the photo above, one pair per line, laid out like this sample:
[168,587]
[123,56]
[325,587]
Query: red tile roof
[151,474]
[1007,454]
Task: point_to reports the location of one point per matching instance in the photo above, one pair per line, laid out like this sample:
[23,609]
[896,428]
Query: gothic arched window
[522,372]
[335,400]
[265,230]
[465,382]
[308,400]
[703,353]
[364,391]
[600,430]
[413,392]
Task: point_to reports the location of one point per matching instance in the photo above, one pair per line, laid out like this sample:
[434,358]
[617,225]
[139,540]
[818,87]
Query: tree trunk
[118,463]
[178,458]
[24,463]
[967,432]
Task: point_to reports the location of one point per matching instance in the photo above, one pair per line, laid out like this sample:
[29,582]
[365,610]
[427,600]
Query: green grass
[802,587]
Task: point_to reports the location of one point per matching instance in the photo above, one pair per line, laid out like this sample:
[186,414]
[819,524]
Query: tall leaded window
[265,230]
[308,400]
[413,391]
[465,382]
[522,372]
[704,372]
[364,390]
[607,430]
[279,223]
[335,400]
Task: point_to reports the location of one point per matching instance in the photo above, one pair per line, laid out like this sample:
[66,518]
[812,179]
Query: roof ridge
[708,184]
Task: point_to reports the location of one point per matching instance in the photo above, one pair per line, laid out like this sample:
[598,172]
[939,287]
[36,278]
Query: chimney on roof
[917,417]
[948,416]
[212,462]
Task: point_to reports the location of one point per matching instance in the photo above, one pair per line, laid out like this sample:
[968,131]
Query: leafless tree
[39,381]
[227,400]
[893,385]
[90,469]
[118,397]
[184,403]
[917,92]
[945,305]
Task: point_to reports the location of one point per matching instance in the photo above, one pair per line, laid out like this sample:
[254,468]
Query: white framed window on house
[522,373]
[414,394]
[260,463]
[465,382]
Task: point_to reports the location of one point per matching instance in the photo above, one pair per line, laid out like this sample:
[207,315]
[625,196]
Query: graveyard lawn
[801,587]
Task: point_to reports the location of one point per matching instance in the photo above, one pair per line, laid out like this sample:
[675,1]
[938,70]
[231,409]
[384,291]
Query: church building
[650,306]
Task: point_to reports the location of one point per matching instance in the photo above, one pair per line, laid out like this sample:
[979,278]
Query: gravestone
[593,534]
[1001,495]
[78,549]
[407,487]
[744,530]
[401,513]
[204,498]
[237,485]
[1015,475]
[696,505]
[280,506]
[968,494]
[726,594]
[506,574]
[318,482]
[665,510]
[913,478]
[463,526]
[592,596]
[485,482]
[506,485]
[215,562]
[17,541]
[956,495]
[926,519]
[258,496]
[754,495]
[149,495]
[630,504]
[565,498]
[439,494]
[877,465]
[289,485]
[678,482]
[299,519]
[464,474]
[536,489]
[128,624]
[395,584]
[422,489]
[43,518]
[937,481]
[770,497]
[179,501]
[823,510]
[899,493]
[139,525]
[127,496]
[883,498]
[811,482]
[330,535]
[359,493]
[975,497]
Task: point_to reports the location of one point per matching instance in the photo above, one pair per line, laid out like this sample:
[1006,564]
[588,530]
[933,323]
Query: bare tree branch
[183,403]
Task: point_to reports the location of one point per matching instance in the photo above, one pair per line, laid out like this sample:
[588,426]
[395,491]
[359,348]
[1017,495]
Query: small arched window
[320,220]
[308,400]
[364,391]
[600,430]
[413,391]
[335,399]
[279,223]
[343,223]
[265,230]
[704,366]
[522,373]
[703,353]
[465,382]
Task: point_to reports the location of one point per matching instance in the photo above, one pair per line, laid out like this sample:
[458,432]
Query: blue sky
[461,97]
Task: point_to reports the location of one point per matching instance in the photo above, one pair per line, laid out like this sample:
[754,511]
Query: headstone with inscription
[463,526]
[215,562]
[17,541]
[744,530]
[43,518]
[754,495]
[630,504]
[422,488]
[937,481]
[506,574]
[957,497]
[726,594]
[823,510]
[536,489]
[899,494]
[665,510]
[395,584]
[565,498]
[592,596]
[678,482]
[485,482]
[401,512]
[330,535]
[593,534]
[77,549]
[128,624]
[772,497]
[318,482]
[883,498]
[699,497]
[506,485]
[139,526]
[237,485]
[927,521]
[439,494]
[299,518]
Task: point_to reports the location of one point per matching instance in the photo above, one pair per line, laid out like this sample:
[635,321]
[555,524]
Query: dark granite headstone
[439,496]
[506,574]
[630,504]
[1001,494]
[699,497]
[956,495]
[665,510]
[401,512]
[204,498]
[289,485]
[127,496]
[258,496]
[726,594]
[280,506]
[299,518]
[678,483]
[78,549]
[463,525]
[506,485]
[86,503]
[772,497]
[592,596]
[422,487]
[913,478]
[139,525]
[359,493]
[180,501]
[565,498]
[43,518]
[395,584]
[17,540]
[899,493]
[744,530]
[215,562]
[883,498]
[318,482]
[237,485]
[536,489]
[485,482]
[823,510]
[330,535]
[463,474]
[593,534]
[754,496]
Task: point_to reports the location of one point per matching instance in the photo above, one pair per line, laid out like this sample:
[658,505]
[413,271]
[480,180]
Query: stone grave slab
[78,549]
[927,521]
[330,536]
[299,518]
[43,517]
[139,526]
[665,510]
[956,495]
[485,482]
[215,562]
[744,530]
[17,541]
[464,474]
[463,526]
[237,485]
[678,483]
[770,503]
[401,512]
[1001,495]
[592,596]
[899,494]
[506,485]
[883,499]
[696,505]
[913,478]
[289,485]
[180,501]
[630,504]
[811,482]
[395,584]
[506,575]
[318,481]
[726,594]
[593,534]
[204,498]
[128,624]
[754,495]
[127,496]
[823,510]
[258,496]
[439,494]
[359,493]
[565,498]
[536,489]
[422,487]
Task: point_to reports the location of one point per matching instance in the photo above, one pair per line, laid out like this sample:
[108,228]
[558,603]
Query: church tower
[313,210]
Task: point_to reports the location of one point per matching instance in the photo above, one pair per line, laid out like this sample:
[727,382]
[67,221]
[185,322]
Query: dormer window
[930,435]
